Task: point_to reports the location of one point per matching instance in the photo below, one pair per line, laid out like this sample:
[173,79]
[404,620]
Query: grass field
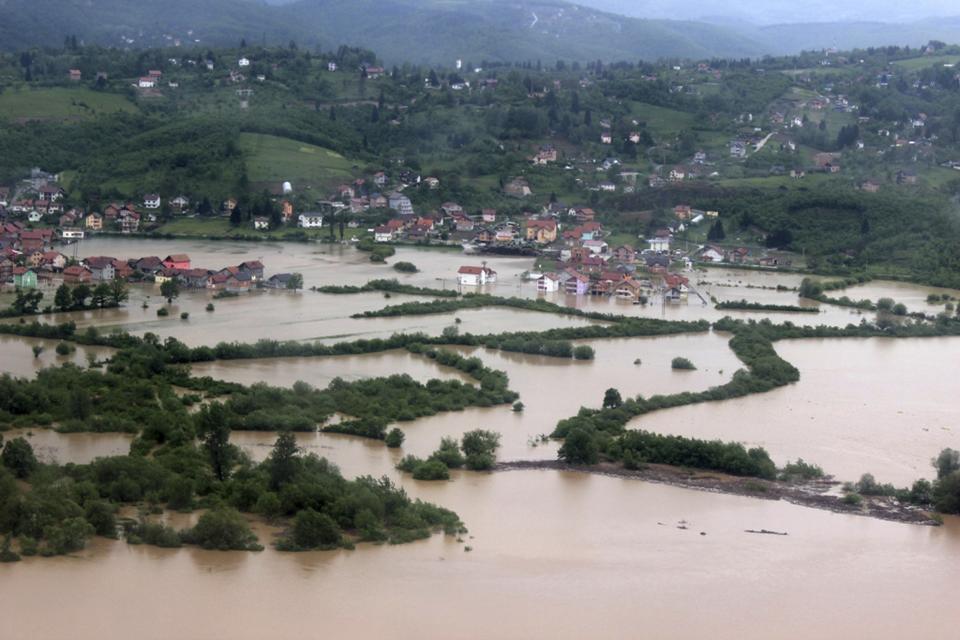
[915,64]
[661,120]
[59,104]
[274,159]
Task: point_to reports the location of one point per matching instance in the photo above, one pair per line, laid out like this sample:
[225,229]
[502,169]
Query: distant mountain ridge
[439,31]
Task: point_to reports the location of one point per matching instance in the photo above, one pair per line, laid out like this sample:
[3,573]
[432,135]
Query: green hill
[421,31]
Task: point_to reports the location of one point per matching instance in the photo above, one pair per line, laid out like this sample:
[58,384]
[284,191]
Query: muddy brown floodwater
[554,554]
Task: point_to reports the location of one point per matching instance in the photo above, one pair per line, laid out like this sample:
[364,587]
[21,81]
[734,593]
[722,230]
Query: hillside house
[660,242]
[488,215]
[261,224]
[517,188]
[738,149]
[469,276]
[147,83]
[625,254]
[75,75]
[541,231]
[400,203]
[151,201]
[383,233]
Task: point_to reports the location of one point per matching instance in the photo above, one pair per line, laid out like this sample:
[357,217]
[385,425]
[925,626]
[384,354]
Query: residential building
[548,283]
[468,276]
[310,220]
[180,261]
[660,242]
[24,278]
[151,201]
[260,223]
[541,231]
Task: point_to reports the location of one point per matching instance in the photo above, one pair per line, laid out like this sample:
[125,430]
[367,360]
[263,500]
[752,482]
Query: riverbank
[808,494]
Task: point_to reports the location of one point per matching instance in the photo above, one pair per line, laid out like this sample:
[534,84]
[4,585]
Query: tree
[283,460]
[395,438]
[80,294]
[579,448]
[170,289]
[312,529]
[119,292]
[62,299]
[27,301]
[101,293]
[716,232]
[224,529]
[946,463]
[213,429]
[295,282]
[480,447]
[612,399]
[18,457]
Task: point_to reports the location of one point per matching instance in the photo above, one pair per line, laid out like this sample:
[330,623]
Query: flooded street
[554,554]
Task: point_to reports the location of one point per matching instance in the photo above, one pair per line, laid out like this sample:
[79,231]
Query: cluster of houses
[50,268]
[587,265]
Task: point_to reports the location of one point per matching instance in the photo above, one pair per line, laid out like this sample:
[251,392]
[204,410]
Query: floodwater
[19,361]
[558,555]
[876,405]
[555,555]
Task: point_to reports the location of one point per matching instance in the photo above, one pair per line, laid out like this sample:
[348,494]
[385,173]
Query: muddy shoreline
[809,494]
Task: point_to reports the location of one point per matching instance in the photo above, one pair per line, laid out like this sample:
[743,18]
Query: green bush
[162,312]
[223,529]
[65,348]
[431,470]
[583,352]
[405,267]
[395,438]
[682,364]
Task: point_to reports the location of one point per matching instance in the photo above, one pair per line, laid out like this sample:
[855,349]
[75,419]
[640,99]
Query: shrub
[583,352]
[579,448]
[312,530]
[801,469]
[18,457]
[431,470]
[448,453]
[162,312]
[480,448]
[853,499]
[184,315]
[682,364]
[395,438]
[223,529]
[210,306]
[405,267]
[65,348]
[518,407]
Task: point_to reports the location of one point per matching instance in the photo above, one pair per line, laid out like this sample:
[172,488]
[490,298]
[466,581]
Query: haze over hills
[435,31]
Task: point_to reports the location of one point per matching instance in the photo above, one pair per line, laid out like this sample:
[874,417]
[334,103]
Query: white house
[34,216]
[476,276]
[147,83]
[243,62]
[261,223]
[660,242]
[72,234]
[712,254]
[331,66]
[310,220]
[596,247]
[382,233]
[548,283]
[151,201]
